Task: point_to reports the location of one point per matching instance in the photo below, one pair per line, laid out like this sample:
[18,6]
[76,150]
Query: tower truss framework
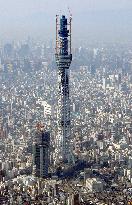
[63,59]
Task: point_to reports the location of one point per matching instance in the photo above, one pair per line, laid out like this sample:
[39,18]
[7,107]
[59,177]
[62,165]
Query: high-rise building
[41,146]
[63,59]
[75,199]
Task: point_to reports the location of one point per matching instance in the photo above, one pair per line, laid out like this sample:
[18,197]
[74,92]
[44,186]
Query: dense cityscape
[66,102]
[101,125]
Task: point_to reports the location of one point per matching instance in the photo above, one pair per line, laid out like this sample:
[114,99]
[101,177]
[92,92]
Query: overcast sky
[92,19]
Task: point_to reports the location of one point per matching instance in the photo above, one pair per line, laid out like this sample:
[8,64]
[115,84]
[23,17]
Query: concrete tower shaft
[63,60]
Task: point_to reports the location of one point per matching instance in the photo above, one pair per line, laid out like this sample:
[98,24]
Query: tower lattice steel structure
[63,60]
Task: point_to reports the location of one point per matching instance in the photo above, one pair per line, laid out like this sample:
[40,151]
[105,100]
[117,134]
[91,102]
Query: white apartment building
[94,184]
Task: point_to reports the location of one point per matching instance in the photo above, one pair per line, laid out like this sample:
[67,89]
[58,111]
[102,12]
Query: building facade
[41,156]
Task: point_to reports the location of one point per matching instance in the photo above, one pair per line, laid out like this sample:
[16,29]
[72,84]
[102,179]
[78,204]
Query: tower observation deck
[63,59]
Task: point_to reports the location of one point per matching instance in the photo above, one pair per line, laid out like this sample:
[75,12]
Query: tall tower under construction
[63,59]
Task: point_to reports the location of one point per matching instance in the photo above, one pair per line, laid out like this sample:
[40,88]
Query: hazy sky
[92,19]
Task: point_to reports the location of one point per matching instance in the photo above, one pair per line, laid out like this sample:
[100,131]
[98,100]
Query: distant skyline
[108,20]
